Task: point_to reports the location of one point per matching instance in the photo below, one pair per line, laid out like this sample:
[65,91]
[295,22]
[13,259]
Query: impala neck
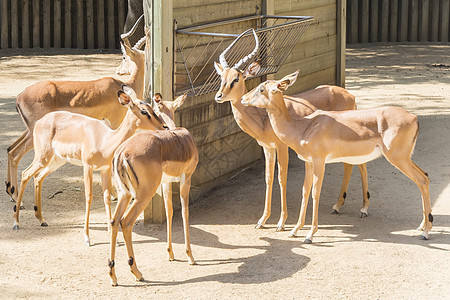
[136,80]
[288,130]
[250,119]
[126,129]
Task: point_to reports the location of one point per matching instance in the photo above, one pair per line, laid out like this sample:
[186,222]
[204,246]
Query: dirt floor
[380,256]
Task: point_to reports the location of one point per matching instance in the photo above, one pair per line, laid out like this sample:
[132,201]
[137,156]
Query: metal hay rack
[196,48]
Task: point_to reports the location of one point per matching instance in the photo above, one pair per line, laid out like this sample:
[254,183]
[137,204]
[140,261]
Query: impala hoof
[114,283]
[422,237]
[44,224]
[16,227]
[363,215]
[259,226]
[420,228]
[291,235]
[22,207]
[334,212]
[280,228]
[12,200]
[307,241]
[87,242]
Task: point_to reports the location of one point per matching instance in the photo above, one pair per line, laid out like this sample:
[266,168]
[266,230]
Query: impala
[96,98]
[125,66]
[140,165]
[354,137]
[254,121]
[61,137]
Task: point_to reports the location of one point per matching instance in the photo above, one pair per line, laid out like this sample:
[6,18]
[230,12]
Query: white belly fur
[356,160]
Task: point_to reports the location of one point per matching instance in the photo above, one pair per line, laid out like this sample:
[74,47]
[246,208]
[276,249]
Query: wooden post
[403,21]
[158,78]
[384,21]
[340,42]
[68,24]
[413,21]
[36,24]
[57,24]
[4,24]
[355,21]
[101,23]
[80,25]
[445,12]
[46,24]
[434,20]
[14,25]
[90,24]
[364,28]
[393,20]
[424,13]
[26,24]
[374,21]
[110,25]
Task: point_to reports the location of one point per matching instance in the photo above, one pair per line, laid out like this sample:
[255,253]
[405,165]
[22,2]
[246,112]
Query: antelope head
[263,93]
[166,109]
[148,119]
[126,67]
[232,86]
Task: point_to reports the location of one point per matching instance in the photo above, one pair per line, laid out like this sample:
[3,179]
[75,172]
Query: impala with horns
[60,137]
[132,25]
[140,165]
[354,137]
[254,121]
[95,98]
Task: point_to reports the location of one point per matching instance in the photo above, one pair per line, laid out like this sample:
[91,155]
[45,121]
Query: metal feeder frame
[197,48]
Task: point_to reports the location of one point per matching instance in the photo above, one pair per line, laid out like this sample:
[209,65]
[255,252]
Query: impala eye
[261,89]
[144,112]
[233,82]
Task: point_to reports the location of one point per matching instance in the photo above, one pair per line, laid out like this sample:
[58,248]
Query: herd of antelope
[103,125]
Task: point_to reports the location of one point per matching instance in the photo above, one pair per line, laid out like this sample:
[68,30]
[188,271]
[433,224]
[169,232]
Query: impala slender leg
[270,156]
[87,169]
[319,170]
[365,188]
[106,187]
[167,194]
[185,186]
[343,193]
[307,184]
[124,199]
[283,162]
[14,156]
[420,178]
[137,207]
[29,172]
[8,173]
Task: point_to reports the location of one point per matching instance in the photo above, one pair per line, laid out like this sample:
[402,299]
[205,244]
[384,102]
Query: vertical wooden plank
[80,25]
[110,27]
[434,21]
[101,23]
[413,20]
[364,32]
[26,24]
[384,21]
[374,21]
[393,19]
[121,14]
[403,21]
[424,13]
[36,24]
[67,24]
[14,25]
[90,24]
[341,14]
[57,24]
[354,17]
[4,24]
[443,30]
[46,24]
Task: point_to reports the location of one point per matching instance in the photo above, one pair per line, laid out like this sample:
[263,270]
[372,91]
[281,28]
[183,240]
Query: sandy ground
[380,256]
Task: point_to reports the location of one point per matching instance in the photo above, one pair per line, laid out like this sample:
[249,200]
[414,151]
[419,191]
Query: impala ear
[124,99]
[219,68]
[129,91]
[252,69]
[179,101]
[287,81]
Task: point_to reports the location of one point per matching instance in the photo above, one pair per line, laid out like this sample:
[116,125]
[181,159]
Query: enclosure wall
[397,21]
[61,23]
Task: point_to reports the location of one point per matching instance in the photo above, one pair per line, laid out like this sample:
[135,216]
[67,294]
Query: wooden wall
[61,23]
[398,21]
[224,149]
[317,53]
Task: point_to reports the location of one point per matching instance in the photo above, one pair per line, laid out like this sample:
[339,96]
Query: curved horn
[139,43]
[242,62]
[222,59]
[124,36]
